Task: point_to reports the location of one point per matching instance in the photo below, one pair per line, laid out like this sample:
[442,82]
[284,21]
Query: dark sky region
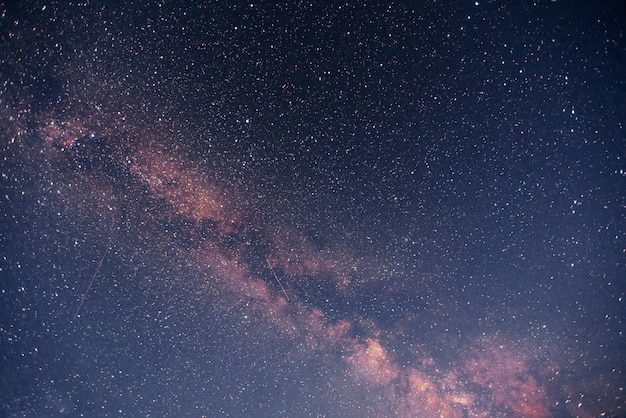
[312,209]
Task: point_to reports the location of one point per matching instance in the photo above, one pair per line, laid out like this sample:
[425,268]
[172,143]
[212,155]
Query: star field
[315,209]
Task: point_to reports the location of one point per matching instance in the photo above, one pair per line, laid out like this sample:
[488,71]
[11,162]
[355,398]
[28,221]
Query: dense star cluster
[341,209]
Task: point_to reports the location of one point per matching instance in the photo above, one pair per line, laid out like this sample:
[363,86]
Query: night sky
[346,209]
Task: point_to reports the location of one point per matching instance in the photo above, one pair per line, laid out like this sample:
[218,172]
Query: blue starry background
[469,154]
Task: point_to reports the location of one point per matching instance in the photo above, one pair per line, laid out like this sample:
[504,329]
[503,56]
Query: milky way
[248,210]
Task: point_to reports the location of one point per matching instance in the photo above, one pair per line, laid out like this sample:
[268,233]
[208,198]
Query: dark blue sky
[346,209]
